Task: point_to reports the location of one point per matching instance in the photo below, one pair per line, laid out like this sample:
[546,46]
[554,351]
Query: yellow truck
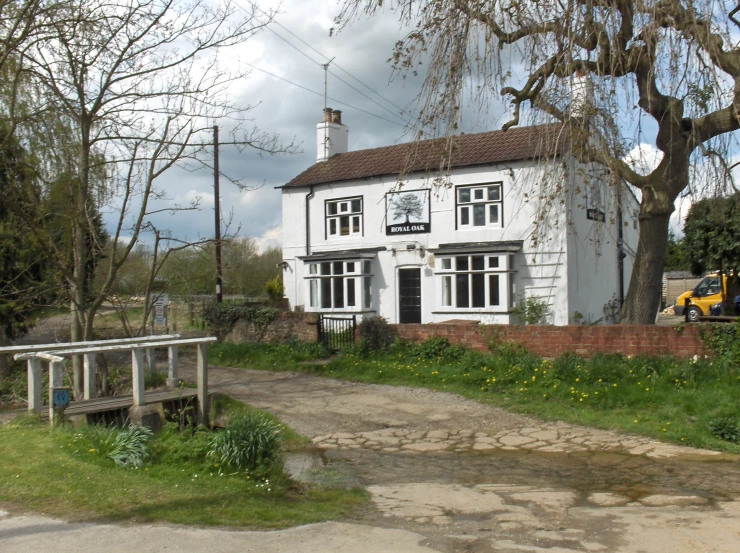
[706,294]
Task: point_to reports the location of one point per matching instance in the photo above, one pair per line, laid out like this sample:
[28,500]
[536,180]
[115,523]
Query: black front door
[409,295]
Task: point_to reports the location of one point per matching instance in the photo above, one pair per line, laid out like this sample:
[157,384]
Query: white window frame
[335,210]
[450,274]
[332,278]
[481,196]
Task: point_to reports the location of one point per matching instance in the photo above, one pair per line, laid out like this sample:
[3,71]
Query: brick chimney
[331,135]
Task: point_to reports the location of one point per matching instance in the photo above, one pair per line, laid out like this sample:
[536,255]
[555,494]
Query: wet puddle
[633,476]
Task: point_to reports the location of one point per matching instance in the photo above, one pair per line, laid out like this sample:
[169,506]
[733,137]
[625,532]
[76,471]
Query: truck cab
[707,293]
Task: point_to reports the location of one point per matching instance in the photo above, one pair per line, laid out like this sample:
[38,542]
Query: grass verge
[677,400]
[57,473]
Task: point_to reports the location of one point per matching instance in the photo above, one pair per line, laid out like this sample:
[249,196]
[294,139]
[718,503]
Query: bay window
[474,281]
[340,285]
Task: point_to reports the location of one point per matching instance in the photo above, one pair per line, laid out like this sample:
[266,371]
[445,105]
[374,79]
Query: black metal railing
[337,333]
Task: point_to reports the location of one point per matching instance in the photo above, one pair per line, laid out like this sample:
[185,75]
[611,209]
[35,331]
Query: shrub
[532,310]
[221,317]
[251,442]
[375,334]
[275,290]
[725,428]
[127,446]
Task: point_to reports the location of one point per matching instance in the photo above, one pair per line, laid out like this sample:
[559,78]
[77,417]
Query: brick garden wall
[553,341]
[286,327]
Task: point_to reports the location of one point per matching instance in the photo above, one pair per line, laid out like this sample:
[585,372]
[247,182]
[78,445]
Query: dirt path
[447,474]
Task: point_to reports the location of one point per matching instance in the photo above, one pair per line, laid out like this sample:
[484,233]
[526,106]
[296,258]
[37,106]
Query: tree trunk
[643,296]
[77,366]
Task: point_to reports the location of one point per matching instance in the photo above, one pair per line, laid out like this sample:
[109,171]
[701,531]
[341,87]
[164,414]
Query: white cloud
[271,239]
[643,158]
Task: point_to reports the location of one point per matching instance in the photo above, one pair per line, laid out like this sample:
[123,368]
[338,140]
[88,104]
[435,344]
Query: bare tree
[138,84]
[660,71]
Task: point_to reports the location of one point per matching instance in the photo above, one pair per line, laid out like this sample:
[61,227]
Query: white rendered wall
[593,270]
[540,272]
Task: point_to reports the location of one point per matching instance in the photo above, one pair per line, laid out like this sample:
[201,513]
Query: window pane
[479,215]
[461,263]
[461,296]
[313,286]
[447,263]
[478,193]
[326,268]
[493,214]
[355,224]
[344,206]
[312,268]
[356,205]
[332,226]
[338,268]
[367,292]
[366,267]
[464,215]
[478,263]
[350,292]
[338,292]
[344,226]
[326,293]
[493,262]
[331,208]
[447,291]
[493,293]
[350,266]
[479,290]
[494,193]
[463,195]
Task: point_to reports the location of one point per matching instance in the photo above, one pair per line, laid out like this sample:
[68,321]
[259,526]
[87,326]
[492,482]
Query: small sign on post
[159,309]
[60,401]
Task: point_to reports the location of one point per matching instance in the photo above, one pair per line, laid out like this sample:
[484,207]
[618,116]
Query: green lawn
[54,472]
[667,398]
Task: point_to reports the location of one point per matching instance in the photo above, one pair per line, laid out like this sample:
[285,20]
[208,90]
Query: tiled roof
[518,143]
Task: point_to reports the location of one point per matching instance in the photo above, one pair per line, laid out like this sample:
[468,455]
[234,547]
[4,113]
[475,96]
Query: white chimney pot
[331,137]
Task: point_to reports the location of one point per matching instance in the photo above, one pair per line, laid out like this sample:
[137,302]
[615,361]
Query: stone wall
[553,341]
[286,327]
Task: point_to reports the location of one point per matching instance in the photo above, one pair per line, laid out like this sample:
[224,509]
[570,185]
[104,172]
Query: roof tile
[515,144]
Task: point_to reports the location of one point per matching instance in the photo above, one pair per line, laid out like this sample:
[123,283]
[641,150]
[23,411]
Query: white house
[385,232]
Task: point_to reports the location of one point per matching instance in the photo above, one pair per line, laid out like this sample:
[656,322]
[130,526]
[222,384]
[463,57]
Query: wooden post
[137,366]
[90,384]
[34,385]
[202,378]
[151,362]
[55,381]
[172,359]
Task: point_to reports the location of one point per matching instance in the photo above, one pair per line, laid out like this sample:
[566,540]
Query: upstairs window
[344,217]
[479,206]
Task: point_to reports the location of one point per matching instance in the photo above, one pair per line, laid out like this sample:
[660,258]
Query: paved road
[447,474]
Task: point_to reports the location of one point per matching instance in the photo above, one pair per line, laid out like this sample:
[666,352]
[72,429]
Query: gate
[337,332]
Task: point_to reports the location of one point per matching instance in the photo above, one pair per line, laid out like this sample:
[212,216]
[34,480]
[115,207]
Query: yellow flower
[91,450]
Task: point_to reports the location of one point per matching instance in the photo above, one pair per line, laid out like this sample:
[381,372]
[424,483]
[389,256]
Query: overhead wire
[334,64]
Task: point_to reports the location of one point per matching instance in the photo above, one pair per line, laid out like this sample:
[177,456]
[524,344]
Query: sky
[375,116]
[372,116]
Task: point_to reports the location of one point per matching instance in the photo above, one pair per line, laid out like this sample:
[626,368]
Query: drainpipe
[308,221]
[620,248]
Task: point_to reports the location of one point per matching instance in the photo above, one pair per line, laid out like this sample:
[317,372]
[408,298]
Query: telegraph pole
[217,209]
